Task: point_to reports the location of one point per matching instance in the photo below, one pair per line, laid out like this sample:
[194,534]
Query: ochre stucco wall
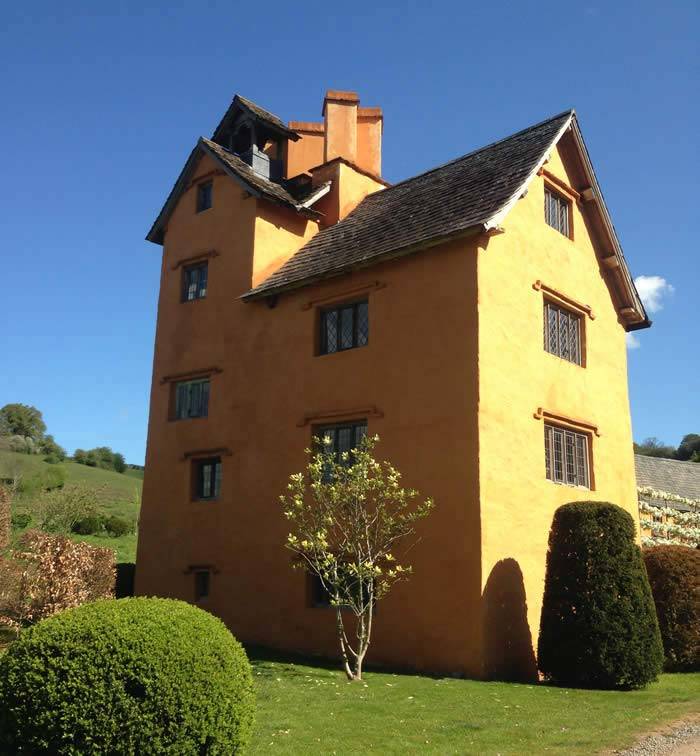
[516,376]
[455,378]
[270,378]
[307,152]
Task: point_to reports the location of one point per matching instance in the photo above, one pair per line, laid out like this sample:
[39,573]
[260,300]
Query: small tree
[348,513]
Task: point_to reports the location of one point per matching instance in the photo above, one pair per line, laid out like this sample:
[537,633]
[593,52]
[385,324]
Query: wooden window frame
[560,196]
[184,288]
[337,309]
[575,317]
[198,464]
[175,384]
[353,425]
[201,188]
[581,463]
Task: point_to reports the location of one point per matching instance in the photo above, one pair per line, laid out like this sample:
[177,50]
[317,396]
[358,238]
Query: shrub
[61,508]
[118,526]
[53,477]
[674,574]
[48,446]
[598,626]
[23,445]
[89,525]
[137,675]
[54,574]
[21,520]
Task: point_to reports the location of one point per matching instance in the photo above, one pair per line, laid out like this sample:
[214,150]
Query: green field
[115,493]
[312,709]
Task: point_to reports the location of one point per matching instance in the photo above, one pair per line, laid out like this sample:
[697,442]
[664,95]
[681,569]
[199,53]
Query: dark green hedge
[598,626]
[674,574]
[137,675]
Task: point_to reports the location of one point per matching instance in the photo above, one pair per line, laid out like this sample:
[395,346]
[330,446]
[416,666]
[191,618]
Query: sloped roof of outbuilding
[473,192]
[668,475]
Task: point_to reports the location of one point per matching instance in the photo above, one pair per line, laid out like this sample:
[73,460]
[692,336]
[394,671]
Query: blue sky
[103,102]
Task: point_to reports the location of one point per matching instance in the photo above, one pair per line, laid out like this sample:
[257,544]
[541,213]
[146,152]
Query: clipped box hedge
[674,574]
[128,676]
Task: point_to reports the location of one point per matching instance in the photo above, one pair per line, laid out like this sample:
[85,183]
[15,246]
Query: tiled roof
[460,195]
[669,475]
[269,119]
[268,189]
[289,194]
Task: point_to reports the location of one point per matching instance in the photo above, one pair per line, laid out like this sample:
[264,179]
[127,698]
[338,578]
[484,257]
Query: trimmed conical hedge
[599,626]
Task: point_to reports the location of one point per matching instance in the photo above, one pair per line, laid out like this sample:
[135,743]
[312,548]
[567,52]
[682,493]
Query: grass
[312,709]
[115,494]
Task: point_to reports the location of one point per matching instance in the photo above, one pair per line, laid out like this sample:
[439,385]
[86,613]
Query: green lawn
[115,493]
[312,709]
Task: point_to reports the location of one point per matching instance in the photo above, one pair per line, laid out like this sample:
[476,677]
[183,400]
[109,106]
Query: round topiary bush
[135,675]
[598,627]
[674,574]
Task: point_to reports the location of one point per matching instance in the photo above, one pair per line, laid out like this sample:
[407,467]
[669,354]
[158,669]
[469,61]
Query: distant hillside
[115,493]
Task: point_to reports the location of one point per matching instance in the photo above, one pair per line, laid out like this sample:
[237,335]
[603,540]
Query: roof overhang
[615,269]
[241,105]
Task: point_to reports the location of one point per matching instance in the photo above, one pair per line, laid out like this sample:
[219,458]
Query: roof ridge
[667,459]
[569,112]
[248,102]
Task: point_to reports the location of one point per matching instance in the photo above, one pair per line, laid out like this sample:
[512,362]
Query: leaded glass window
[562,333]
[566,456]
[342,438]
[191,399]
[194,282]
[556,212]
[336,439]
[208,478]
[345,327]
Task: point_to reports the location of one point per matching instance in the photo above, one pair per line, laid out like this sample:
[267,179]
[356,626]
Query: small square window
[207,478]
[194,281]
[191,398]
[204,196]
[345,327]
[566,456]
[201,584]
[563,330]
[557,212]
